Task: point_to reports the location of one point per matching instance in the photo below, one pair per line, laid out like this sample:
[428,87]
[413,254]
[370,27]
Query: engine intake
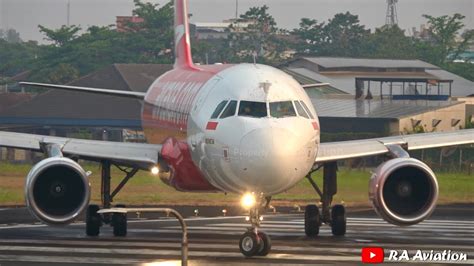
[403,191]
[57,190]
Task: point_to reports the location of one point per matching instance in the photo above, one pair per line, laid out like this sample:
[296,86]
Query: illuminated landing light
[248,200]
[155,170]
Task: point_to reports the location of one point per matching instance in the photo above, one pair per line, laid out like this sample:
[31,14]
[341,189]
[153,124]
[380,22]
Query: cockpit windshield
[282,109]
[253,109]
[218,110]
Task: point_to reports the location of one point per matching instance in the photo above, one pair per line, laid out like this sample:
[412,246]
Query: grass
[145,189]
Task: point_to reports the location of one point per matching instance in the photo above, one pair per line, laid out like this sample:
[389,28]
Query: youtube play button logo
[372,255]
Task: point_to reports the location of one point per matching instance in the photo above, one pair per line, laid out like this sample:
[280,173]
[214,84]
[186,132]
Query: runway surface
[214,240]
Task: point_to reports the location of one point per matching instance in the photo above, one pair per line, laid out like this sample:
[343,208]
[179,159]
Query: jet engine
[57,190]
[403,191]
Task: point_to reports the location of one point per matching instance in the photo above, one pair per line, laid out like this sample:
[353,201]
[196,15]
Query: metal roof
[338,62]
[345,81]
[389,109]
[461,86]
[58,107]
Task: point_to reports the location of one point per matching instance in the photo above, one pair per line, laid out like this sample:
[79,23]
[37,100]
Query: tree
[63,73]
[17,57]
[390,42]
[10,35]
[341,36]
[260,38]
[73,54]
[61,36]
[310,35]
[442,38]
[344,36]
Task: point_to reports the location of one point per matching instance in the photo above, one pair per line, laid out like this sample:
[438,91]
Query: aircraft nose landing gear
[253,242]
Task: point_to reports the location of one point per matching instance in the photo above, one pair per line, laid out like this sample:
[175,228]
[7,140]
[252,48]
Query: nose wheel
[253,242]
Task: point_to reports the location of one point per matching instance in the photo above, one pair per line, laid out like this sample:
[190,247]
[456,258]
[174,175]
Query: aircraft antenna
[391,17]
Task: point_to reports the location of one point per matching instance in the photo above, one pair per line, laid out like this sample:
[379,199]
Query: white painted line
[21,226]
[175,243]
[82,260]
[174,253]
[426,221]
[168,253]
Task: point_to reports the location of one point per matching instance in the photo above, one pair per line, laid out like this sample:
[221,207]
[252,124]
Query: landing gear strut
[254,242]
[117,220]
[335,215]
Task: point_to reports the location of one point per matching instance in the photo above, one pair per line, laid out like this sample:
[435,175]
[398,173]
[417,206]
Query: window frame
[227,106]
[220,112]
[305,114]
[307,110]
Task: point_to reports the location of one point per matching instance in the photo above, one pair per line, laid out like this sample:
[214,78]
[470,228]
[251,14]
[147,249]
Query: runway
[214,240]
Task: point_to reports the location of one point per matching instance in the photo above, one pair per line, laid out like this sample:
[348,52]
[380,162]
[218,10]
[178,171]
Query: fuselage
[232,128]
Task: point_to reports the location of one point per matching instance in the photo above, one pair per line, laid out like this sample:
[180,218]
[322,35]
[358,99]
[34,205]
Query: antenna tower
[391,18]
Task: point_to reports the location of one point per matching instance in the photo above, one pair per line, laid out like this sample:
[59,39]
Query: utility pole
[391,16]
[68,13]
[236,9]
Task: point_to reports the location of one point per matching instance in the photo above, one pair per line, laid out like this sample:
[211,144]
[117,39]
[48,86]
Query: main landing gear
[118,221]
[254,242]
[333,215]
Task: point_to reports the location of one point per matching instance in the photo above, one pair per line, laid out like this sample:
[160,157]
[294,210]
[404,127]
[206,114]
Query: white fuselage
[242,153]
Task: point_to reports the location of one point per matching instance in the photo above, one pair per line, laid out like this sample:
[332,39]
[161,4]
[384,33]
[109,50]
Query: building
[84,115]
[383,97]
[402,79]
[217,30]
[384,117]
[123,22]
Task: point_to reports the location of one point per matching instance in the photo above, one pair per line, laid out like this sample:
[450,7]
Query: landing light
[155,170]
[248,200]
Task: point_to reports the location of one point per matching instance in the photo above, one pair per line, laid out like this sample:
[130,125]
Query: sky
[25,15]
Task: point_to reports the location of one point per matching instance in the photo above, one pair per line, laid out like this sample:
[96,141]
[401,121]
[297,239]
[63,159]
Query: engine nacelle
[403,191]
[57,190]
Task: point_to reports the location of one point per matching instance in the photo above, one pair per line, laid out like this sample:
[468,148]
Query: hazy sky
[25,15]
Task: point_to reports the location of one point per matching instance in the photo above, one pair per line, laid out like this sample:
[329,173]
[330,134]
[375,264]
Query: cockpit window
[229,110]
[282,109]
[300,110]
[307,110]
[253,109]
[218,110]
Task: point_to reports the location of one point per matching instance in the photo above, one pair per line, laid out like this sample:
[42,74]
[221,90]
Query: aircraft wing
[143,156]
[116,93]
[333,151]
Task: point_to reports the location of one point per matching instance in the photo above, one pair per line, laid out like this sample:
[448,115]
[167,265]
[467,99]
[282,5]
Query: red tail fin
[181,36]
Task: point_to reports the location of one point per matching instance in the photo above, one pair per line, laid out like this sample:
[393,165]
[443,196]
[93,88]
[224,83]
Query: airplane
[249,129]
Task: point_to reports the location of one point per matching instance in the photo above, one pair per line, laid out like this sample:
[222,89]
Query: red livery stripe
[315,125]
[211,125]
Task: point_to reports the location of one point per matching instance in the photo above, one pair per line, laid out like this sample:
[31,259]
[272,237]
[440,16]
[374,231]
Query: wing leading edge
[139,155]
[333,151]
[116,93]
